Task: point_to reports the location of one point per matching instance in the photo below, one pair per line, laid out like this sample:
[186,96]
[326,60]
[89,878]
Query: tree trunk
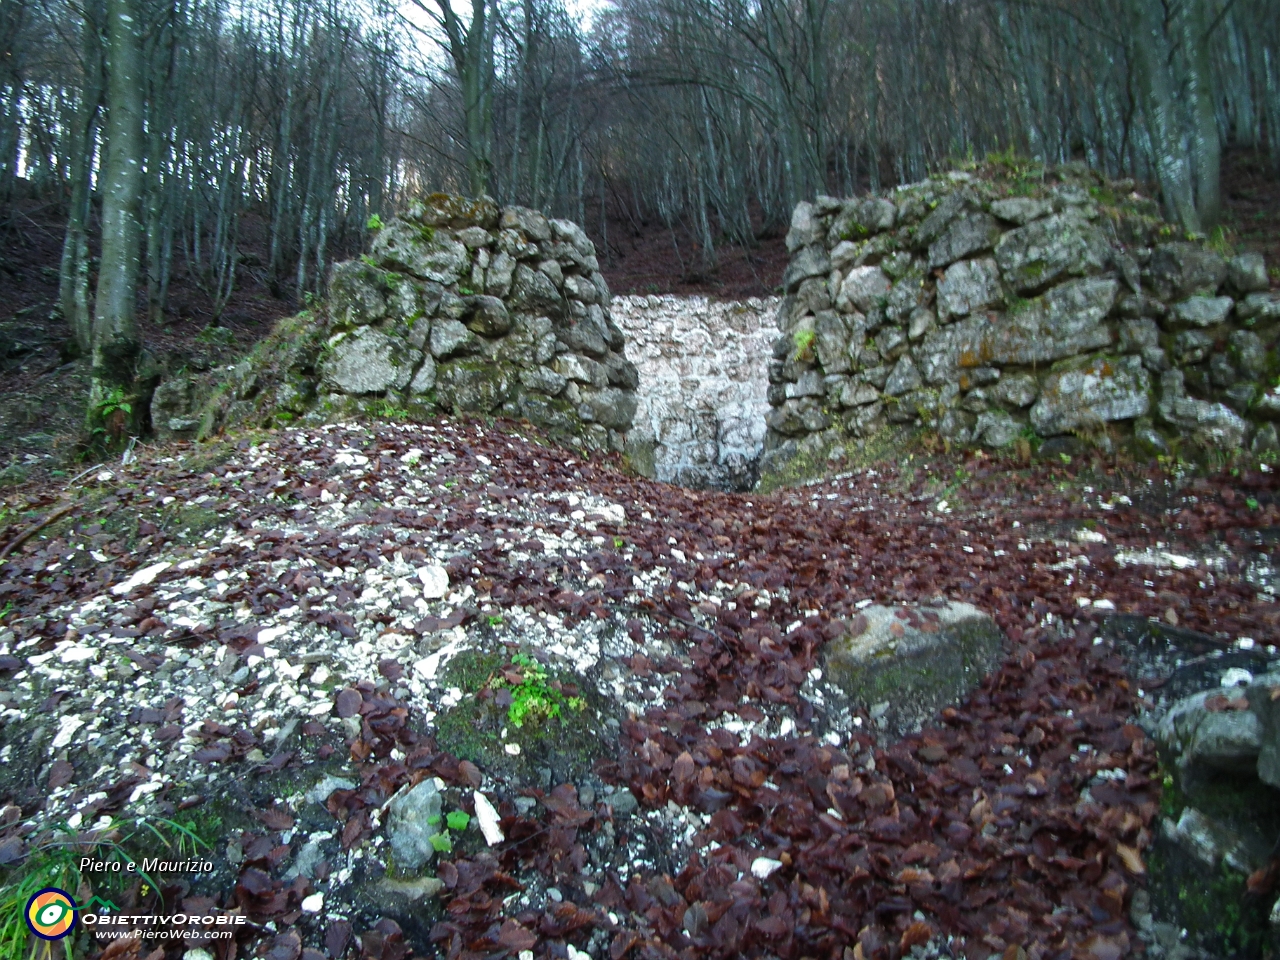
[116,397]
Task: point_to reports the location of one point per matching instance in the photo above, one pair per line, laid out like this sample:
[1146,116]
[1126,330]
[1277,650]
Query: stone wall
[997,304]
[459,306]
[703,385]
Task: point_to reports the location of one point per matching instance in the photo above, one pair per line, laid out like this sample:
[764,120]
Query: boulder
[1016,390]
[369,361]
[832,334]
[1259,306]
[864,289]
[1209,424]
[357,293]
[1099,392]
[173,412]
[529,222]
[1203,311]
[609,407]
[473,385]
[532,291]
[1046,251]
[811,261]
[996,428]
[968,286]
[1247,273]
[489,316]
[450,210]
[904,378]
[964,237]
[450,338]
[1179,270]
[1197,730]
[906,663]
[1021,210]
[806,227]
[420,252]
[1264,704]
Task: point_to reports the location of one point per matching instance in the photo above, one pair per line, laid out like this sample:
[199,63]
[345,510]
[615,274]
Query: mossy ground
[566,745]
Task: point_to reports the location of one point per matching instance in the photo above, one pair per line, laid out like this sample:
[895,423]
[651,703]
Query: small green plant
[618,543]
[1251,503]
[455,820]
[803,340]
[495,619]
[367,260]
[533,695]
[6,609]
[113,401]
[389,411]
[465,290]
[374,222]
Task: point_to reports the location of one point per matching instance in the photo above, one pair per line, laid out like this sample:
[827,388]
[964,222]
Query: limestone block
[906,663]
[1179,270]
[1247,273]
[1046,251]
[863,289]
[964,237]
[368,361]
[429,256]
[1100,392]
[968,286]
[1202,311]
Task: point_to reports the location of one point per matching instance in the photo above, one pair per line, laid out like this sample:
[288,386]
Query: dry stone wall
[459,306]
[1000,305]
[703,386]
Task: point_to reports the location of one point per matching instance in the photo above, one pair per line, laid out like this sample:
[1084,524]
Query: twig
[72,482]
[30,532]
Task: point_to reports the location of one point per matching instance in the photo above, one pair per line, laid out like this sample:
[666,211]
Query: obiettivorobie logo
[51,913]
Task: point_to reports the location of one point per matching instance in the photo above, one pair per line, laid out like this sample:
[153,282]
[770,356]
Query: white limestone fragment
[487,817]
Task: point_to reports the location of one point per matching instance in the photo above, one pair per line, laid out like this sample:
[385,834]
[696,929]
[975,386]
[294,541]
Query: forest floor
[262,640]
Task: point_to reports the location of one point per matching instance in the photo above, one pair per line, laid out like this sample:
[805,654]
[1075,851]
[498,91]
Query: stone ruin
[460,306]
[997,307]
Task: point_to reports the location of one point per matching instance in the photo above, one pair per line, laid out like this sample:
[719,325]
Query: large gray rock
[450,210]
[1259,306]
[413,818]
[1247,273]
[811,261]
[996,428]
[1015,390]
[532,291]
[474,385]
[450,338]
[368,361]
[806,228]
[1180,270]
[173,412]
[1203,311]
[1066,321]
[1208,424]
[858,219]
[864,289]
[964,237]
[489,316]
[1264,703]
[609,407]
[905,670]
[531,223]
[1100,392]
[968,286]
[904,378]
[421,252]
[832,334]
[1021,210]
[1045,251]
[357,293]
[1219,739]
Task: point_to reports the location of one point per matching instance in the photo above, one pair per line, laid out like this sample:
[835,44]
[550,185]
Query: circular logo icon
[51,913]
